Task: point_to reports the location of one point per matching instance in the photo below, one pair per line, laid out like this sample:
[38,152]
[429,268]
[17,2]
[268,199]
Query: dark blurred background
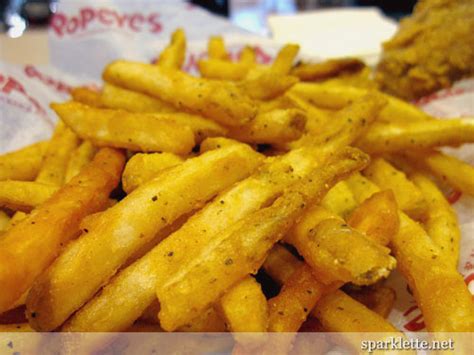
[18,15]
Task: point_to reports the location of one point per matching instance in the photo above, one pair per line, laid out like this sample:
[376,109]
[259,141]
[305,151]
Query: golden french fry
[23,164]
[128,226]
[263,84]
[218,100]
[4,221]
[208,321]
[173,55]
[121,129]
[216,48]
[24,255]
[247,55]
[242,248]
[429,275]
[223,69]
[16,328]
[244,308]
[407,136]
[340,200]
[277,126]
[80,157]
[326,69]
[60,147]
[359,79]
[409,198]
[144,167]
[280,264]
[216,143]
[24,195]
[379,299]
[284,59]
[86,96]
[16,218]
[119,98]
[455,172]
[441,223]
[377,217]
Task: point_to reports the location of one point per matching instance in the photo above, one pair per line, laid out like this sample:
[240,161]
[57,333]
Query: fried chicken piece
[433,48]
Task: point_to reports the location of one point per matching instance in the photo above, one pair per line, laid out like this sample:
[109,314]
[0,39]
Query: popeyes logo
[89,17]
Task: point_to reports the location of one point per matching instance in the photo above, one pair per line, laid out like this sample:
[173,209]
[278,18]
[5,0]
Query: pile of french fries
[254,198]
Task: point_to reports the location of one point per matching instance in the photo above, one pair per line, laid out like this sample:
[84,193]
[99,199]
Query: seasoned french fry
[247,55]
[86,96]
[377,217]
[16,328]
[455,172]
[215,143]
[119,98]
[57,222]
[244,308]
[326,69]
[144,167]
[4,221]
[23,164]
[60,148]
[125,228]
[428,274]
[241,249]
[208,321]
[441,223]
[223,69]
[220,101]
[173,55]
[123,129]
[280,264]
[336,251]
[396,137]
[24,195]
[16,218]
[379,299]
[340,200]
[284,59]
[80,157]
[264,84]
[409,198]
[216,48]
[277,126]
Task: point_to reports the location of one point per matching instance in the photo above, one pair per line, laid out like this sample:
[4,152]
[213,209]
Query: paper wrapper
[84,37]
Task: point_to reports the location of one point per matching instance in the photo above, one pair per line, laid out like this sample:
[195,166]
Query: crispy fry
[280,264]
[220,101]
[57,222]
[23,164]
[173,55]
[264,84]
[80,157]
[242,248]
[121,129]
[215,143]
[284,59]
[60,148]
[441,223]
[340,200]
[326,69]
[455,172]
[247,55]
[16,218]
[24,195]
[379,299]
[277,126]
[125,228]
[336,251]
[4,221]
[244,308]
[409,198]
[387,138]
[144,167]
[119,98]
[216,48]
[428,274]
[377,217]
[223,69]
[86,96]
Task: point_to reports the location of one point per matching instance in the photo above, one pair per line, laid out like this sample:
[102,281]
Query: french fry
[441,223]
[80,157]
[244,308]
[359,79]
[379,299]
[284,59]
[340,200]
[396,137]
[326,69]
[129,225]
[173,55]
[247,55]
[208,321]
[280,264]
[215,143]
[123,129]
[16,218]
[24,195]
[4,221]
[60,147]
[218,100]
[16,328]
[449,169]
[241,249]
[338,252]
[409,198]
[57,222]
[264,84]
[119,98]
[23,164]
[429,275]
[377,217]
[141,168]
[133,289]
[216,48]
[86,96]
[277,126]
[223,69]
